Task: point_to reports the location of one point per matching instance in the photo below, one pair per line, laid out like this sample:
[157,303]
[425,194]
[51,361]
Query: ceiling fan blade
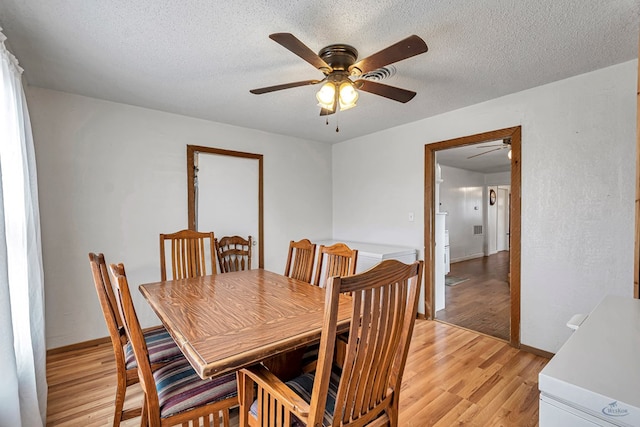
[391,92]
[283,86]
[411,46]
[289,41]
[501,145]
[505,143]
[486,152]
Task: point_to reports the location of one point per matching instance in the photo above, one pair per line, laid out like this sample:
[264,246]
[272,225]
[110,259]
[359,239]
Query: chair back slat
[105,295]
[234,253]
[110,311]
[300,260]
[335,260]
[190,251]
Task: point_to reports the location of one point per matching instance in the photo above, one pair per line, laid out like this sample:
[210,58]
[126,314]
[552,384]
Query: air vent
[380,73]
[477,229]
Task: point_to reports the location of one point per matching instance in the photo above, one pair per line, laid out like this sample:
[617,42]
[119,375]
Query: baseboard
[467,258]
[78,346]
[86,344]
[536,351]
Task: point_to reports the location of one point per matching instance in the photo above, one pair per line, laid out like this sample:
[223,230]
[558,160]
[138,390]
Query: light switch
[411,217]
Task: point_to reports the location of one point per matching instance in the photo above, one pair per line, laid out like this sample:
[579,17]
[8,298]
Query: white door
[503,219]
[227,197]
[492,223]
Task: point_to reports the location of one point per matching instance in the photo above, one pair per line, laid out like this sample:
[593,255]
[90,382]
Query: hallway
[482,302]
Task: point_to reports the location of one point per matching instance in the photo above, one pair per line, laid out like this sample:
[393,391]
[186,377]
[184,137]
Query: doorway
[225,194]
[512,208]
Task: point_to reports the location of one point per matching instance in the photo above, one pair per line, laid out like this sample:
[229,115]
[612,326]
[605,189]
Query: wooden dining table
[224,322]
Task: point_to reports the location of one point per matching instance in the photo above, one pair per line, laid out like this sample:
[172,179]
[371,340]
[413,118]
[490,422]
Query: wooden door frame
[636,257]
[192,150]
[514,133]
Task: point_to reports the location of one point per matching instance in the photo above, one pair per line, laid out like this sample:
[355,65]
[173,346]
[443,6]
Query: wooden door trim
[636,257]
[191,191]
[514,133]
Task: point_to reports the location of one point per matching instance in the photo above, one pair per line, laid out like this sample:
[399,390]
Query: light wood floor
[453,377]
[481,303]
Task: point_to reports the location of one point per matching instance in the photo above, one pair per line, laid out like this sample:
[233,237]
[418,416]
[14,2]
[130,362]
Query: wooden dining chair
[190,252]
[335,260]
[300,260]
[161,346]
[364,388]
[174,394]
[234,253]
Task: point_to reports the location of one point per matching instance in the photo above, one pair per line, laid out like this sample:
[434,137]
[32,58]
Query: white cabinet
[440,260]
[447,253]
[555,413]
[370,254]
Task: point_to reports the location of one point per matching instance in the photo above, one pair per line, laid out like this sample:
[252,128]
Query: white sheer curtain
[23,386]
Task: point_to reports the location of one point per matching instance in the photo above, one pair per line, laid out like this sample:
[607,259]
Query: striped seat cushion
[303,386]
[180,388]
[161,347]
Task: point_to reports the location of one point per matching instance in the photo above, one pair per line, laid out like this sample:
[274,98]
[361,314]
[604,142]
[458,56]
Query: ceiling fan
[506,143]
[343,75]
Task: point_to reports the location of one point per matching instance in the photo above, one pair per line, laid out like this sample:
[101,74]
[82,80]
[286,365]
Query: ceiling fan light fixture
[326,95]
[348,95]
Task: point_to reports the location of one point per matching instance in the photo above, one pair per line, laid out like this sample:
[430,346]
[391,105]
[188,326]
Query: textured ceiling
[200,57]
[485,157]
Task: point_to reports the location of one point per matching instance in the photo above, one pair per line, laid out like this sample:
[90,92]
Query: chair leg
[121,390]
[245,397]
[144,417]
[392,412]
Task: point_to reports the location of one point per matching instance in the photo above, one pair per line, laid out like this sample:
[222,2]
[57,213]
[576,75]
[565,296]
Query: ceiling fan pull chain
[337,119]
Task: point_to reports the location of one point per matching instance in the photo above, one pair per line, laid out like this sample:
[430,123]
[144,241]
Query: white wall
[112,177]
[461,198]
[499,178]
[578,162]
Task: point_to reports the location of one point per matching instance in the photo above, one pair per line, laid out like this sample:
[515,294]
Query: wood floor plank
[495,401]
[452,377]
[471,383]
[454,413]
[436,409]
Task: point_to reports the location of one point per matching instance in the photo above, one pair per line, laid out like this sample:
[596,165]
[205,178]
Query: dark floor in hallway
[481,303]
